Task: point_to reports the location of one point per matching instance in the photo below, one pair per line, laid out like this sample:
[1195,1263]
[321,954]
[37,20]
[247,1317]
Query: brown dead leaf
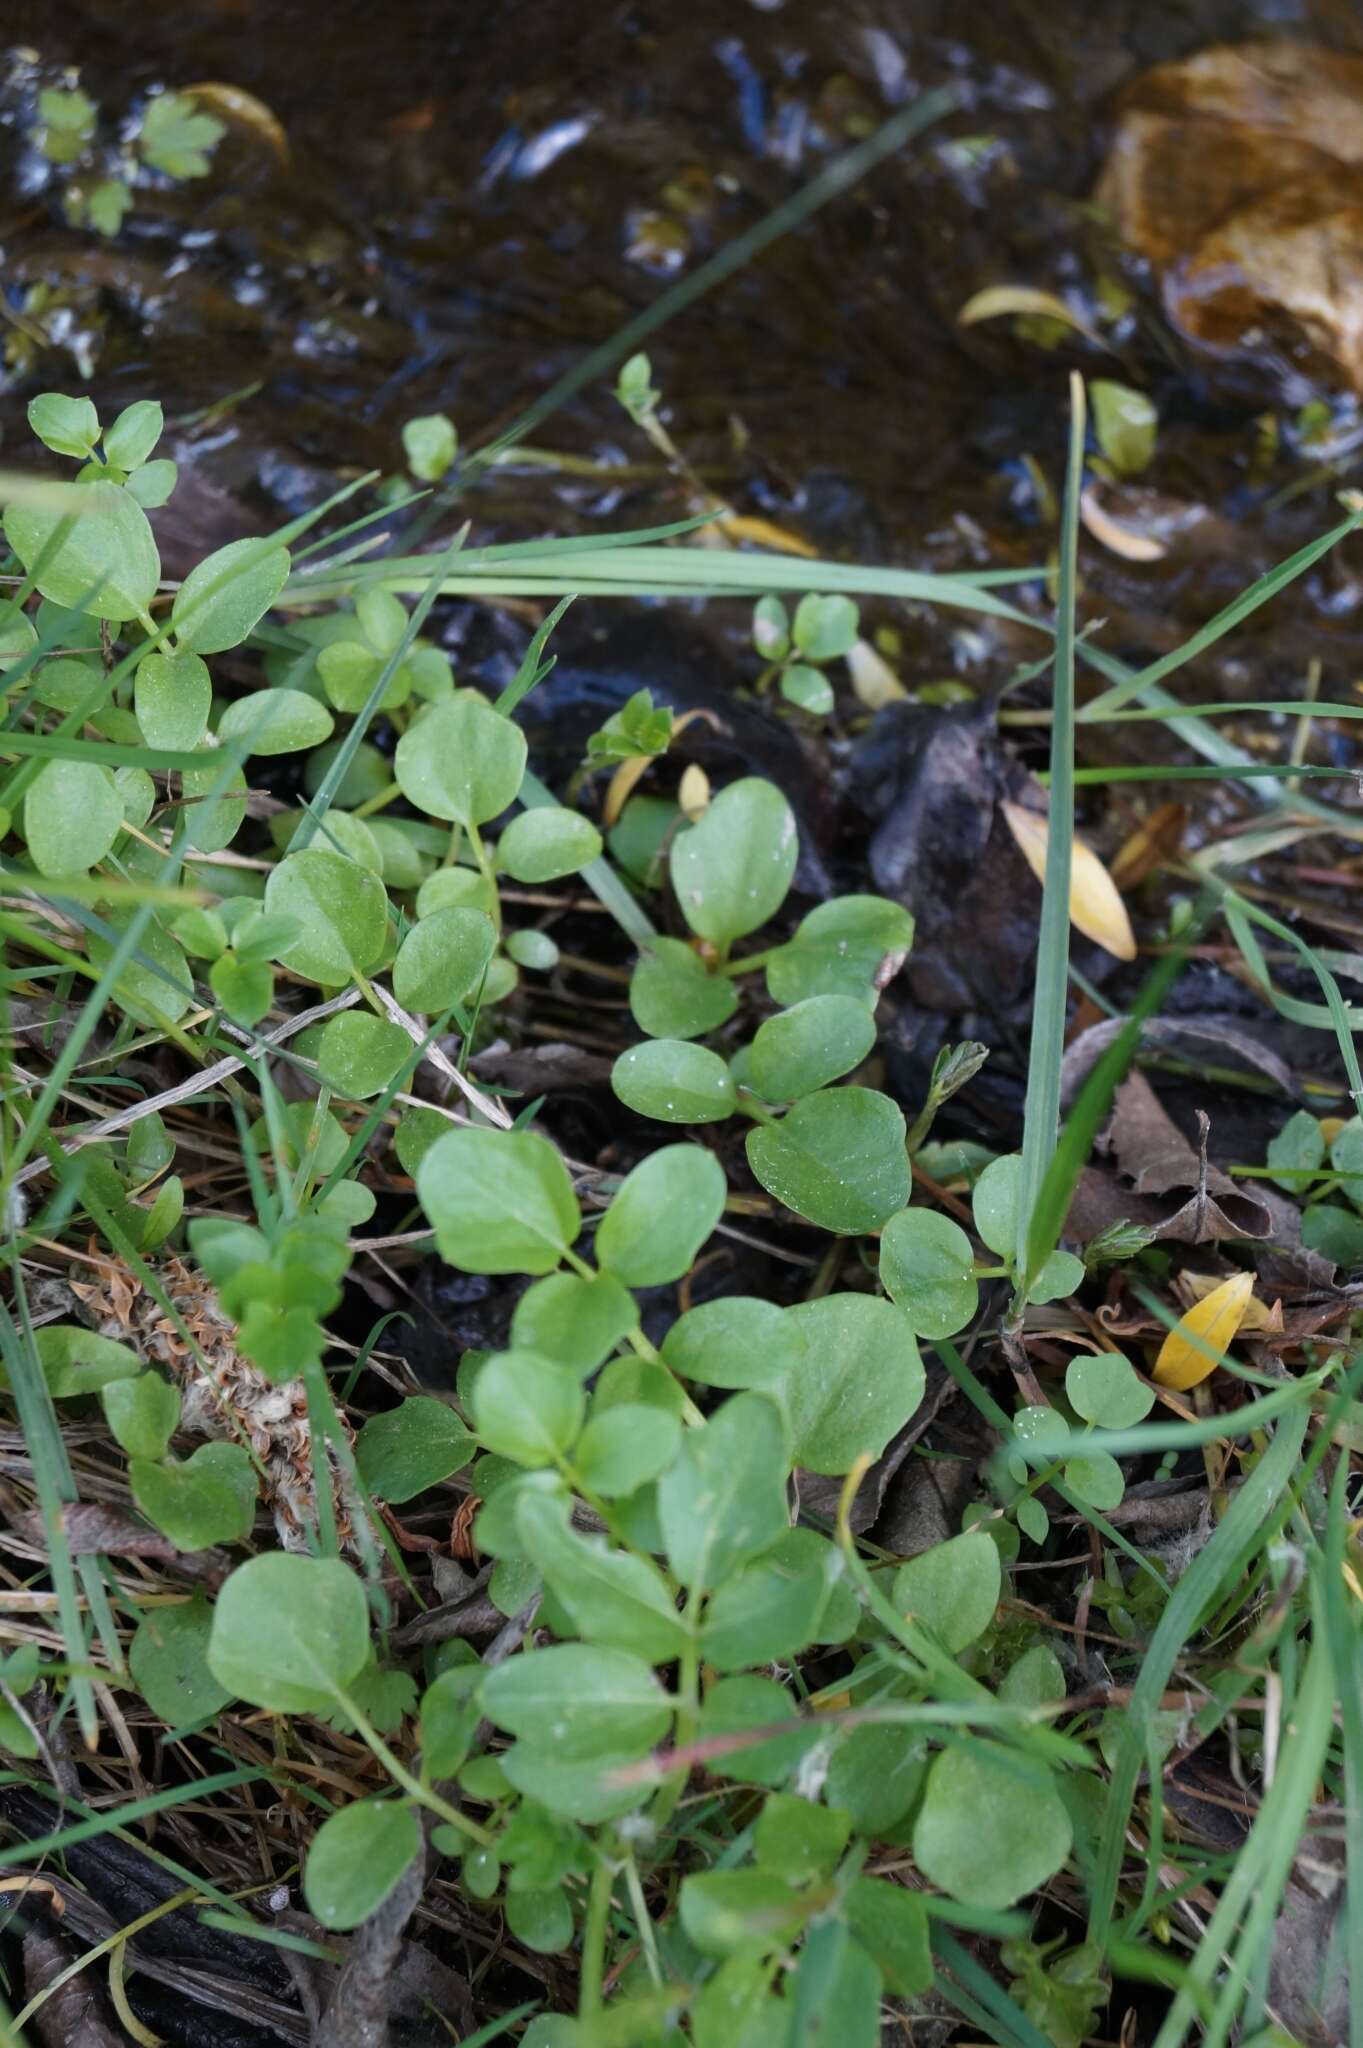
[1160,1181]
[1156,840]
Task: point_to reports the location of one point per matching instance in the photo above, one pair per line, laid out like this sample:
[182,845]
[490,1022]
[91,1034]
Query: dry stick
[443,1065]
[222,1070]
[185,1091]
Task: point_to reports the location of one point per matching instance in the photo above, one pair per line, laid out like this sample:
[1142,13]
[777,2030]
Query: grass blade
[1042,1113]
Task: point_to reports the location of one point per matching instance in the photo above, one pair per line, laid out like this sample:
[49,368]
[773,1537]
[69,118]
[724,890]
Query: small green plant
[1314,1170]
[172,138]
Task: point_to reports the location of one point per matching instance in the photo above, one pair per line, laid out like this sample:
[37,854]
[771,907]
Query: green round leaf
[1095,1478]
[739,1705]
[288,1630]
[1125,423]
[768,1612]
[500,1201]
[342,914]
[526,1407]
[953,1589]
[806,1047]
[461,761]
[68,426]
[722,1500]
[1335,1232]
[216,805]
[442,959]
[739,1341]
[72,816]
[927,1266]
[172,696]
[992,1826]
[543,844]
[857,1379]
[824,627]
[227,594]
[456,889]
[1300,1146]
[836,1158]
[430,444]
[133,435]
[1060,1276]
[661,1215]
[532,949]
[624,1448]
[543,1922]
[572,1319]
[19,637]
[1346,1156]
[95,548]
[136,793]
[143,1413]
[276,722]
[349,672]
[153,483]
[79,1361]
[168,1659]
[208,1499]
[675,1082]
[995,1204]
[411,1447]
[673,994]
[358,1053]
[1103,1388]
[1037,1679]
[155,986]
[580,1700]
[731,871]
[851,946]
[807,688]
[356,1858]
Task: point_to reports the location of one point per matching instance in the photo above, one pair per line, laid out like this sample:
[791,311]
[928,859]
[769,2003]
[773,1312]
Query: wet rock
[1238,175]
[930,777]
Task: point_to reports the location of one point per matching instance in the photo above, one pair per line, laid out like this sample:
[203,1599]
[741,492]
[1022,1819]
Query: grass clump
[752,1776]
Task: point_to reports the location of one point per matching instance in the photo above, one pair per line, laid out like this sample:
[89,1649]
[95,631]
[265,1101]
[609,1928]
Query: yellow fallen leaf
[1096,908]
[1259,1317]
[693,792]
[1189,1352]
[998,301]
[241,109]
[621,785]
[1116,538]
[874,681]
[763,533]
[1330,1127]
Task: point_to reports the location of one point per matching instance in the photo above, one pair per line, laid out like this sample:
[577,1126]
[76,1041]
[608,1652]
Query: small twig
[185,1091]
[443,1064]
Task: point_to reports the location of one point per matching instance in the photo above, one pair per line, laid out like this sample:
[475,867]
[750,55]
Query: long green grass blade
[1215,1569]
[1041,1119]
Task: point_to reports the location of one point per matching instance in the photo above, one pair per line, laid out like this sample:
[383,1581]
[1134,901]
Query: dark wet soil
[475,197]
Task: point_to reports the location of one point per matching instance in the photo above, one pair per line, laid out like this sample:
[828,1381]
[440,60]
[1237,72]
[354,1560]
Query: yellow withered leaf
[693,792]
[1189,1352]
[874,681]
[1259,1319]
[1121,540]
[999,301]
[1096,908]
